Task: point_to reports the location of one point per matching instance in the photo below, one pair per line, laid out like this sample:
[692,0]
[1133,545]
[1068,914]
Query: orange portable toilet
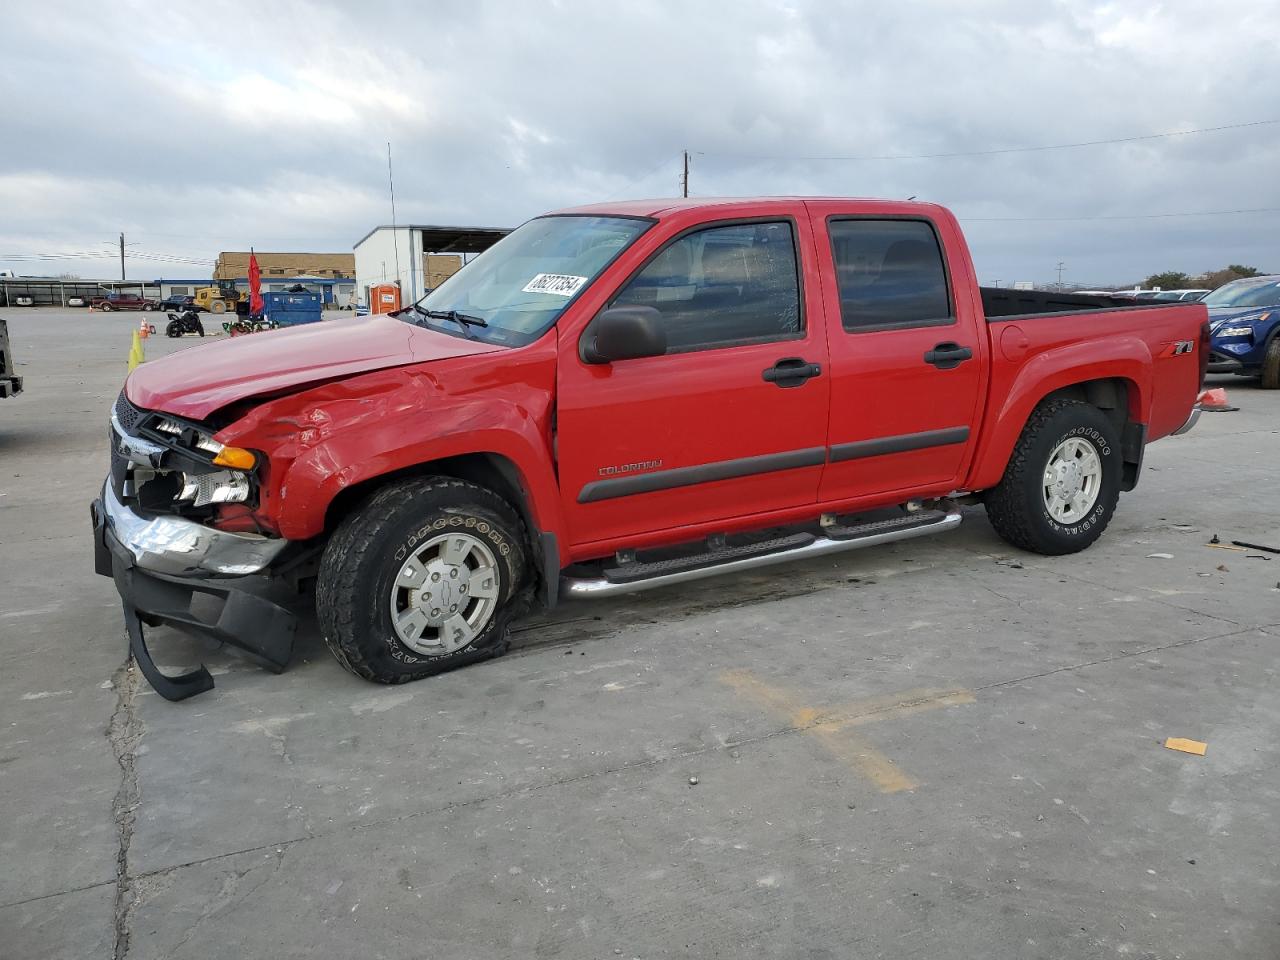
[384,297]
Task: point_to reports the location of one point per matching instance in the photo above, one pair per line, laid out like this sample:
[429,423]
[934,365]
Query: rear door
[908,363]
[732,420]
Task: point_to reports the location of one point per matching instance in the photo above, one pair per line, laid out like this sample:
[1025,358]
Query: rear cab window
[890,274]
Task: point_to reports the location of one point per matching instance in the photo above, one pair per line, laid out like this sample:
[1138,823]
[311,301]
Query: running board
[833,540]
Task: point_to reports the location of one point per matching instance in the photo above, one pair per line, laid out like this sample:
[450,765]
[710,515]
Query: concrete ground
[944,749]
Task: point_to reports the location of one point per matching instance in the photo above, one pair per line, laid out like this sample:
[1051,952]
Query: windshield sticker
[560,284]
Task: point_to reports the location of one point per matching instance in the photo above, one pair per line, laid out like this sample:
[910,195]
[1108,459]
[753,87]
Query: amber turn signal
[235,458]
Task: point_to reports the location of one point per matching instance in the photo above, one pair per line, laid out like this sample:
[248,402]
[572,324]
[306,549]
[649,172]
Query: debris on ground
[693,781]
[1159,556]
[1222,568]
[1215,401]
[1255,546]
[1010,563]
[1186,746]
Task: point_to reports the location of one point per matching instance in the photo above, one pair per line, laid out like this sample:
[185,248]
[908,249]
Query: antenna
[395,238]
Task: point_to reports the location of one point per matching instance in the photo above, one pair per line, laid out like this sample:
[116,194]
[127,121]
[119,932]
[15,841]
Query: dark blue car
[1244,322]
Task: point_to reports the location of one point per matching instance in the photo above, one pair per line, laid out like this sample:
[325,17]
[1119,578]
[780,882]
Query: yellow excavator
[222,298]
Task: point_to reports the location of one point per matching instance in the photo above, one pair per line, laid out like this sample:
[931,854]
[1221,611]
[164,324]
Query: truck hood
[196,381]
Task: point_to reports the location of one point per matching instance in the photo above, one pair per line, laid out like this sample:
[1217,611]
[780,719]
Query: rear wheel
[106,308]
[1271,365]
[218,306]
[1062,482]
[425,576]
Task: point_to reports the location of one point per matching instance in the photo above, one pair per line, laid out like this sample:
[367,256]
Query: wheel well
[489,470]
[1113,396]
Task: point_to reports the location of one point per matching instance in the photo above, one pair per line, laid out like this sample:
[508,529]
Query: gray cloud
[196,130]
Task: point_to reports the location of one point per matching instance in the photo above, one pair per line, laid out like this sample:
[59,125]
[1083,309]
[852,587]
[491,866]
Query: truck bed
[999,302]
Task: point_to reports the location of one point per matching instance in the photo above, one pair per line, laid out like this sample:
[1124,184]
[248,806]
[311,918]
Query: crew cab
[619,397]
[123,301]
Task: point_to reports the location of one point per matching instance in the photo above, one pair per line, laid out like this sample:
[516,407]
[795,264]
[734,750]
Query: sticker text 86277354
[560,284]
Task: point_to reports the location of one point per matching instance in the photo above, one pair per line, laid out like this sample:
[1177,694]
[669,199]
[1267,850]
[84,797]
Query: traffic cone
[142,329]
[136,356]
[1214,401]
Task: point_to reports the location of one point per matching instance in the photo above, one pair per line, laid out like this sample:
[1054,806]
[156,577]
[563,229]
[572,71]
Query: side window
[723,286]
[890,274]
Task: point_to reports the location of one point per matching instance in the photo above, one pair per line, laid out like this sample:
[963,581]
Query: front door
[732,420]
[907,360]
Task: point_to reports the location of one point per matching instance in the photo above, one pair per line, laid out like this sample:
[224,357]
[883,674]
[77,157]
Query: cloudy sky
[198,127]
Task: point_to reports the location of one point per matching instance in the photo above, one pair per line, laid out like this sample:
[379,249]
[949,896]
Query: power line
[1132,216]
[989,153]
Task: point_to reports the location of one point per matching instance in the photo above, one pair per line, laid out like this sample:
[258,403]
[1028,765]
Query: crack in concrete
[124,732]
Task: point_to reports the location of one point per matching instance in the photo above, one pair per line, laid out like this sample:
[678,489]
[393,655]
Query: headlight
[221,486]
[223,456]
[1236,332]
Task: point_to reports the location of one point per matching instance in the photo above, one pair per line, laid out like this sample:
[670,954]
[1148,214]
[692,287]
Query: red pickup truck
[123,301]
[618,397]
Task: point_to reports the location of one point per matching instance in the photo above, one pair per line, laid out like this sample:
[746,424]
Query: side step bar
[842,539]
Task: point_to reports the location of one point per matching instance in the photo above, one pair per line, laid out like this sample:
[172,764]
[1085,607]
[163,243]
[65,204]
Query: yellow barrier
[136,355]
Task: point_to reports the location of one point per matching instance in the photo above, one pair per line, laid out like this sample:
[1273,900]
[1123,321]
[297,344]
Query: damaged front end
[174,528]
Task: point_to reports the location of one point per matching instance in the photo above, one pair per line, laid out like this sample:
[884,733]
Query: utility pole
[1061,267]
[395,238]
[122,257]
[684,180]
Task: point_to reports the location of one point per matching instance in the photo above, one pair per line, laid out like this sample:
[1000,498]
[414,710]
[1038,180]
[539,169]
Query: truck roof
[661,207]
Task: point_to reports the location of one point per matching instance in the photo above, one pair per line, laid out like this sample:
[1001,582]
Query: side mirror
[624,333]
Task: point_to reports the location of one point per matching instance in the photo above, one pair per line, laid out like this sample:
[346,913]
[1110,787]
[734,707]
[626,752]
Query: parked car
[1244,317]
[23,300]
[1177,296]
[621,397]
[10,382]
[123,301]
[76,301]
[178,304]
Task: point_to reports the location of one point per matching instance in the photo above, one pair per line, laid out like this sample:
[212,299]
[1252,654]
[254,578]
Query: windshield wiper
[463,320]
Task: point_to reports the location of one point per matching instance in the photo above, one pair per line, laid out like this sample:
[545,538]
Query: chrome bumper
[1191,421]
[183,548]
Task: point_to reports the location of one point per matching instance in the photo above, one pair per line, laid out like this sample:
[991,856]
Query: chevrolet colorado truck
[619,397]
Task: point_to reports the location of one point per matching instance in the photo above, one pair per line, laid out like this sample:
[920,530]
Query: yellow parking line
[833,727]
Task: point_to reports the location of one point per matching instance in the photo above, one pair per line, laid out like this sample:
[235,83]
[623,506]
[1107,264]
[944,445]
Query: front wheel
[1271,365]
[106,308]
[1062,482]
[174,329]
[425,576]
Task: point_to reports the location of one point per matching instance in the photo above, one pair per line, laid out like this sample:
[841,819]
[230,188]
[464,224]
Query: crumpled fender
[1127,358]
[330,438]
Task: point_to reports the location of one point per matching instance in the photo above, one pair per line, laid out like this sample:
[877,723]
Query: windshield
[521,285]
[1168,295]
[1246,293]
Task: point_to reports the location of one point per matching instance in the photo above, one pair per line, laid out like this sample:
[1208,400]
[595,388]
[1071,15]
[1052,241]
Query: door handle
[947,355]
[791,372]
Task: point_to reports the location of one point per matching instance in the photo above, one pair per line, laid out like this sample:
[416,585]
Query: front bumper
[180,548]
[157,584]
[1222,363]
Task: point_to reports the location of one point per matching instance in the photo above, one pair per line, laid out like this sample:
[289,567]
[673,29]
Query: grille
[126,413]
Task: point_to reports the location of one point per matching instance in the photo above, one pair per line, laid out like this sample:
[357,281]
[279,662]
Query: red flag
[255,285]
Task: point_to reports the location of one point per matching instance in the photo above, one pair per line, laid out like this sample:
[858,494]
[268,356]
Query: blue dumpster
[289,309]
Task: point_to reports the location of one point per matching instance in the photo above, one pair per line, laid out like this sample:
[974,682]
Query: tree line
[1209,280]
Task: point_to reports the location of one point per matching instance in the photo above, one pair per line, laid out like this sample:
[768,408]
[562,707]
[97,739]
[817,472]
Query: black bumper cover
[261,628]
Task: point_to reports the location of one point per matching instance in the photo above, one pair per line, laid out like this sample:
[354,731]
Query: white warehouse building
[419,257]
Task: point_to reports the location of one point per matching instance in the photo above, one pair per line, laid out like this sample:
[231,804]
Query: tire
[199,327]
[174,329]
[106,308]
[398,535]
[218,307]
[147,308]
[1271,365]
[1021,507]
